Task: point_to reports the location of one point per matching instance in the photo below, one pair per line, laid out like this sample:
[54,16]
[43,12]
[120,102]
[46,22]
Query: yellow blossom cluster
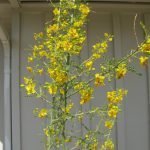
[85,92]
[29,86]
[43,113]
[56,11]
[49,131]
[93,142]
[67,108]
[121,70]
[99,80]
[40,71]
[108,145]
[38,36]
[59,76]
[109,124]
[113,111]
[145,50]
[116,97]
[86,95]
[52,88]
[46,131]
[84,9]
[30,59]
[145,47]
[60,39]
[89,64]
[99,49]
[143,60]
[30,69]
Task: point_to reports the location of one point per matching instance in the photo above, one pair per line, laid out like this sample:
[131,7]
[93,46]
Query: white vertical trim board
[7,108]
[16,128]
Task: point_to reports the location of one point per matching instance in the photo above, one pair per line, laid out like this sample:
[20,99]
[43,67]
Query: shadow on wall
[1,98]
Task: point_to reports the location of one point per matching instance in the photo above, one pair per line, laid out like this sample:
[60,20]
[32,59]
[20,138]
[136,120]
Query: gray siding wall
[132,130]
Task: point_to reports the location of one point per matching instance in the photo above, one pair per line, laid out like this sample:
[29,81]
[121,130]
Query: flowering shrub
[53,58]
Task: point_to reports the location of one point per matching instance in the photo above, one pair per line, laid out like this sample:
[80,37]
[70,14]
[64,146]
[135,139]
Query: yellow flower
[57,140]
[85,99]
[67,140]
[73,33]
[109,124]
[30,69]
[99,80]
[52,28]
[29,86]
[113,111]
[49,131]
[43,53]
[52,89]
[104,45]
[87,136]
[121,71]
[38,47]
[56,11]
[89,65]
[58,75]
[61,78]
[111,96]
[30,59]
[78,23]
[108,145]
[46,132]
[86,95]
[94,146]
[81,40]
[65,12]
[66,45]
[62,91]
[38,35]
[26,80]
[64,24]
[84,9]
[40,71]
[43,113]
[52,72]
[68,108]
[145,47]
[96,46]
[106,35]
[96,56]
[143,60]
[116,96]
[78,86]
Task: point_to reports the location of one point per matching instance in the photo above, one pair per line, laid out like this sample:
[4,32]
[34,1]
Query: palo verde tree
[53,58]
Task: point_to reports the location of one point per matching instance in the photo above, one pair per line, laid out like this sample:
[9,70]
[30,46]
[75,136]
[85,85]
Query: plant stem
[126,58]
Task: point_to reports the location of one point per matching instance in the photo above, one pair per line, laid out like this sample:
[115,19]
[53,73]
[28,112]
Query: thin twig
[134,29]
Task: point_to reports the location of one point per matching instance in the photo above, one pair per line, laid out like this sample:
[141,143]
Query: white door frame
[7,104]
